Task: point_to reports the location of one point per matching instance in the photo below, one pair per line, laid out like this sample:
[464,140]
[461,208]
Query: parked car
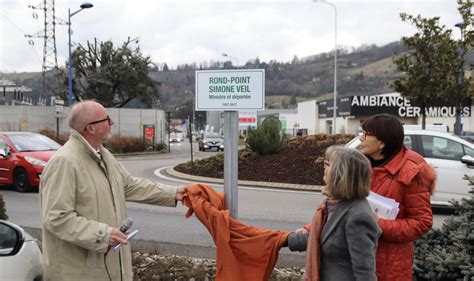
[451,156]
[23,156]
[176,137]
[20,256]
[211,140]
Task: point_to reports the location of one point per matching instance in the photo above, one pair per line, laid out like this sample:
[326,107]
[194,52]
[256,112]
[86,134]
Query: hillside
[363,70]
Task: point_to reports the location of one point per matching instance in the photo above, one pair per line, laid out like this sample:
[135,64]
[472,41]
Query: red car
[23,156]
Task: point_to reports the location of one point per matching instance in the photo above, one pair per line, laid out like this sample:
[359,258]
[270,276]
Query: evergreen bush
[448,253]
[266,139]
[3,211]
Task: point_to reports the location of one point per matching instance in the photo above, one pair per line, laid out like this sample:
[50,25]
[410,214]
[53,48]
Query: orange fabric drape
[244,253]
[313,254]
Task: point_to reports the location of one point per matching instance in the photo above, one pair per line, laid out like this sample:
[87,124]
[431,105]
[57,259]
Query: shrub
[117,144]
[3,211]
[160,147]
[123,144]
[266,139]
[61,138]
[448,254]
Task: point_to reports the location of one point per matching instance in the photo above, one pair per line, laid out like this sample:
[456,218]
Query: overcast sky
[186,31]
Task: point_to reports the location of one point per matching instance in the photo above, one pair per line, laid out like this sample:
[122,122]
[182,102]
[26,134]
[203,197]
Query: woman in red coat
[401,174]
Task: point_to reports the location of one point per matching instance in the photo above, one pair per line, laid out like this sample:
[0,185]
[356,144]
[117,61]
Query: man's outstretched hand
[180,193]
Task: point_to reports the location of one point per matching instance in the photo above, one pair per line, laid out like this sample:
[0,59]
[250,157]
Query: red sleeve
[418,219]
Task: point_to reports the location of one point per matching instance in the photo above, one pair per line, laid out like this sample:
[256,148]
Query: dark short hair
[388,129]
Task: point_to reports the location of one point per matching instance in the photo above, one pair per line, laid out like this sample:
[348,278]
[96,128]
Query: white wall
[290,119]
[308,116]
[127,121]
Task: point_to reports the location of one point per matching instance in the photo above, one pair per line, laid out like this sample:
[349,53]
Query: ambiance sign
[395,105]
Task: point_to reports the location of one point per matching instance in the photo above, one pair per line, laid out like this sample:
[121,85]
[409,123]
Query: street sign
[59,105]
[149,132]
[247,119]
[58,102]
[228,90]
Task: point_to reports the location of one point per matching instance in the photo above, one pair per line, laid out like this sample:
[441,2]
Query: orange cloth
[244,253]
[313,254]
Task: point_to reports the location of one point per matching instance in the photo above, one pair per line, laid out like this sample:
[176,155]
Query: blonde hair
[350,173]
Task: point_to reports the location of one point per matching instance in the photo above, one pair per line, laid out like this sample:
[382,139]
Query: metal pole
[194,114]
[69,64]
[335,63]
[83,6]
[335,69]
[231,126]
[57,124]
[169,131]
[191,142]
[461,82]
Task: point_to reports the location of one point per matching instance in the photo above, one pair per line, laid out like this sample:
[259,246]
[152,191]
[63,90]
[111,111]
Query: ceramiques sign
[391,104]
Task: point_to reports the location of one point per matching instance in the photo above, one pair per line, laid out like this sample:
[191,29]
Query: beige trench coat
[82,198]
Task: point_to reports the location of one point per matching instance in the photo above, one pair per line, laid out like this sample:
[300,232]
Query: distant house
[12,94]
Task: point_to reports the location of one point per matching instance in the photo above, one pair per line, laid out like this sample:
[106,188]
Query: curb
[278,185]
[141,153]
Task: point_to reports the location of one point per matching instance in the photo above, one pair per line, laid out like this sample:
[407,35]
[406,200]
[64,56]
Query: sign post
[230,91]
[231,147]
[59,107]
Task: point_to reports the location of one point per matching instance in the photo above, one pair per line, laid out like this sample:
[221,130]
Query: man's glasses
[100,121]
[363,135]
[326,163]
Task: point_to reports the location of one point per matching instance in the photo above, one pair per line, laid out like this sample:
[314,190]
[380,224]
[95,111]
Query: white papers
[129,237]
[384,207]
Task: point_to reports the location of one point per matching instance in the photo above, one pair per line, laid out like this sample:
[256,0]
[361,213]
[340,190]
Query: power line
[50,61]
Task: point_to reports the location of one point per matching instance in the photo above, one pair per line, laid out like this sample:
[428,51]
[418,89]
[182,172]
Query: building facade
[353,110]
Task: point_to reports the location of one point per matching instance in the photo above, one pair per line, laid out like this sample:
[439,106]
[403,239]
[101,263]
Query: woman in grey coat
[343,234]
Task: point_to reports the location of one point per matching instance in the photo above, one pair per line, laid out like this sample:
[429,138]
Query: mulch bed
[298,162]
[155,267]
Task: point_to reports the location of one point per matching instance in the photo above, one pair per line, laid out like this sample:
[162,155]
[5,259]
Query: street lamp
[335,61]
[461,26]
[194,108]
[83,6]
[236,60]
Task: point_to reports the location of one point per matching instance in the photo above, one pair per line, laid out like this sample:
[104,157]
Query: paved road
[270,208]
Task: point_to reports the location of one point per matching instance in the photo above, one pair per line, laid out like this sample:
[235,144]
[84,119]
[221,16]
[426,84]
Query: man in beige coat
[83,192]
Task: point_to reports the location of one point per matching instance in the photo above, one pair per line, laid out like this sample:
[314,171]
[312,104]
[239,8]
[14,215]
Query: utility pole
[191,141]
[168,116]
[50,61]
